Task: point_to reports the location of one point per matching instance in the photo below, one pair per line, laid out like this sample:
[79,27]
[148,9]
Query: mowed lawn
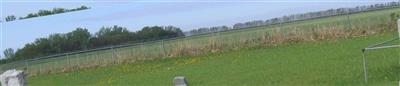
[331,62]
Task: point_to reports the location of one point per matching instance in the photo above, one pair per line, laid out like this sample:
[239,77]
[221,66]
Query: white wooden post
[365,68]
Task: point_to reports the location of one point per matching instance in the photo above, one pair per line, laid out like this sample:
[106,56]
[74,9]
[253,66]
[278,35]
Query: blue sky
[187,14]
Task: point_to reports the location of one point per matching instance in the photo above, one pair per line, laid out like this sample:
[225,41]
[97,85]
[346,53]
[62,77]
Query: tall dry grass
[217,42]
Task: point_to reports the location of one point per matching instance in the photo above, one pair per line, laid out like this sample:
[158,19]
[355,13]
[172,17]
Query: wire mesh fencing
[202,44]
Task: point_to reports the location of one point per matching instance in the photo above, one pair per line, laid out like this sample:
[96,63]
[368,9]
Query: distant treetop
[46,13]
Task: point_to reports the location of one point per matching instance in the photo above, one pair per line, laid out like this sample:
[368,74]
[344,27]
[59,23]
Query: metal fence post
[163,48]
[143,50]
[88,59]
[55,64]
[76,61]
[84,59]
[27,66]
[112,54]
[40,68]
[96,57]
[68,61]
[132,52]
[348,20]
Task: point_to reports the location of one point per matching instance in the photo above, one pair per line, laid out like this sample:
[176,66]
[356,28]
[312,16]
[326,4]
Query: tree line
[45,13]
[318,14]
[296,17]
[205,30]
[82,39]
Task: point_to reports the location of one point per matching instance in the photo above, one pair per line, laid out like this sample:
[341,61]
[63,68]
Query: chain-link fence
[197,44]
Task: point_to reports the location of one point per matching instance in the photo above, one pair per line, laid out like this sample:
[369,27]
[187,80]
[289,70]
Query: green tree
[111,36]
[29,51]
[151,33]
[159,32]
[81,39]
[173,31]
[82,7]
[58,43]
[58,10]
[9,53]
[78,39]
[30,15]
[10,18]
[44,12]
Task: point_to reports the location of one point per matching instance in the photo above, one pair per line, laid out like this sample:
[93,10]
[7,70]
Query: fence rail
[181,46]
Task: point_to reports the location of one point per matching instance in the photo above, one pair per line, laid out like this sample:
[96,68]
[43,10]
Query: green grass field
[331,62]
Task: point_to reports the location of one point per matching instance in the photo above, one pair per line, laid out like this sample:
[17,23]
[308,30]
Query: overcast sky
[135,14]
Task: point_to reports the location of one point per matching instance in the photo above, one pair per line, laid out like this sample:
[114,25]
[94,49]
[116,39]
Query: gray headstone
[180,81]
[13,78]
